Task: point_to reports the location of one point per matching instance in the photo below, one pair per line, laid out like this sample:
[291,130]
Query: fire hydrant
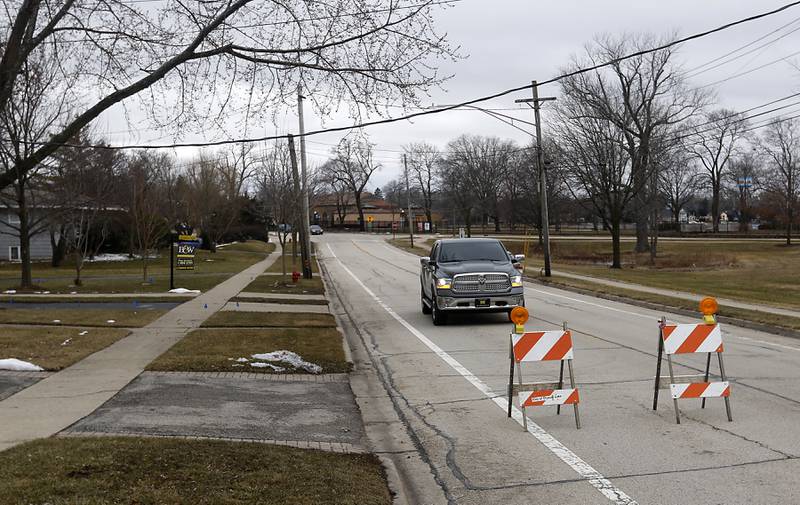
[295,276]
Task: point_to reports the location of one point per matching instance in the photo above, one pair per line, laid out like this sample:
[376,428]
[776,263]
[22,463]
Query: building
[330,211]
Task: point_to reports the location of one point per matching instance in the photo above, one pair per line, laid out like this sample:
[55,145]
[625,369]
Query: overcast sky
[510,42]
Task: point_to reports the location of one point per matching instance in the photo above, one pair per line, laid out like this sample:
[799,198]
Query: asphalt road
[448,386]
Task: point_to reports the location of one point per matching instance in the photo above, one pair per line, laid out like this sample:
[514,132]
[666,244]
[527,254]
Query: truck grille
[481,283]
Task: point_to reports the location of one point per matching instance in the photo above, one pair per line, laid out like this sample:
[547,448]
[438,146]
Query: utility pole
[545,228]
[410,212]
[305,249]
[304,228]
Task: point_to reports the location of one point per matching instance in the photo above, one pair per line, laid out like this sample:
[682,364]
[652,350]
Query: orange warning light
[519,315]
[708,306]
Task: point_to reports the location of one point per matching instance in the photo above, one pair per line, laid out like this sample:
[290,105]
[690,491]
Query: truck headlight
[516,281]
[443,283]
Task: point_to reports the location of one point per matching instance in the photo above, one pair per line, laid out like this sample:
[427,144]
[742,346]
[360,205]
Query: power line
[462,104]
[694,71]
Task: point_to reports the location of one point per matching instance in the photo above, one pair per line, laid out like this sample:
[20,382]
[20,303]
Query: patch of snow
[229,243]
[66,342]
[10,291]
[57,321]
[184,291]
[290,358]
[242,360]
[112,257]
[18,365]
[84,332]
[267,365]
[111,321]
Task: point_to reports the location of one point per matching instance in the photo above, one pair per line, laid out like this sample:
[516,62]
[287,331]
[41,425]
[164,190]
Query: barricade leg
[572,383]
[522,406]
[725,378]
[560,384]
[561,373]
[658,366]
[672,381]
[708,368]
[510,376]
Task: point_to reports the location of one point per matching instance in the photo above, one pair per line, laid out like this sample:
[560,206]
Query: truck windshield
[472,251]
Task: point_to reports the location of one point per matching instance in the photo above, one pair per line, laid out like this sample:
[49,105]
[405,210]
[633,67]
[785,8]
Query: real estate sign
[187,244]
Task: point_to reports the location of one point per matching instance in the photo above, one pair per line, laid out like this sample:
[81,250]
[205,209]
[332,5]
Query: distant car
[316,229]
[285,228]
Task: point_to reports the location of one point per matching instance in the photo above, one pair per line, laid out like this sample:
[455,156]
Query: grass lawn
[209,350]
[274,284]
[93,299]
[126,276]
[234,318]
[43,345]
[421,245]
[277,268]
[94,471]
[668,301]
[82,317]
[285,301]
[754,271]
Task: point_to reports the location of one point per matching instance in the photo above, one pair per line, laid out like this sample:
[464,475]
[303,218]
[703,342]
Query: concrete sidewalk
[63,398]
[680,294]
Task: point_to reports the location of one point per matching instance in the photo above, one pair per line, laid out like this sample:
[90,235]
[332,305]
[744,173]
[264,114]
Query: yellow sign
[370,219]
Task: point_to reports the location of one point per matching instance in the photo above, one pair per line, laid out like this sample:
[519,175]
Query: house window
[13,253]
[12,218]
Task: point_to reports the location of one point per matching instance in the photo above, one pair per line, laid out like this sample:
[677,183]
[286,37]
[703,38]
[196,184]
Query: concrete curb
[386,433]
[340,447]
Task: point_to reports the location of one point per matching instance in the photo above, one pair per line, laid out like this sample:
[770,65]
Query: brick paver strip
[281,296]
[331,377]
[275,307]
[61,399]
[340,447]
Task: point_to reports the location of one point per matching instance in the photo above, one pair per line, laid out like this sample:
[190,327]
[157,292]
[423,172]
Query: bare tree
[597,164]
[715,141]
[423,160]
[188,63]
[85,189]
[477,165]
[642,96]
[27,118]
[352,166]
[335,188]
[679,181]
[780,143]
[276,190]
[145,208]
[744,177]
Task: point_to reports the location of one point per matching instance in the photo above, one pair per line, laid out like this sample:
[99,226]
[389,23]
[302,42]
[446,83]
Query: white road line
[583,469]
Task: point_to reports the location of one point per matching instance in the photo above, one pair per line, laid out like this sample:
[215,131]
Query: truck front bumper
[480,302]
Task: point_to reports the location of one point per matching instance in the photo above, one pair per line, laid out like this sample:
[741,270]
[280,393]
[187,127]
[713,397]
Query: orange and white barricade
[685,339]
[534,346]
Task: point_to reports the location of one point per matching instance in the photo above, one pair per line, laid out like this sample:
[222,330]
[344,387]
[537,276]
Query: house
[9,237]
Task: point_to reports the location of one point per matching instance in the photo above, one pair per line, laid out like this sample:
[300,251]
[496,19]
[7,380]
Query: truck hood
[466,267]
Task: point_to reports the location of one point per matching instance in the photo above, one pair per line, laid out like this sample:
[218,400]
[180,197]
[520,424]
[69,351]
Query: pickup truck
[469,275]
